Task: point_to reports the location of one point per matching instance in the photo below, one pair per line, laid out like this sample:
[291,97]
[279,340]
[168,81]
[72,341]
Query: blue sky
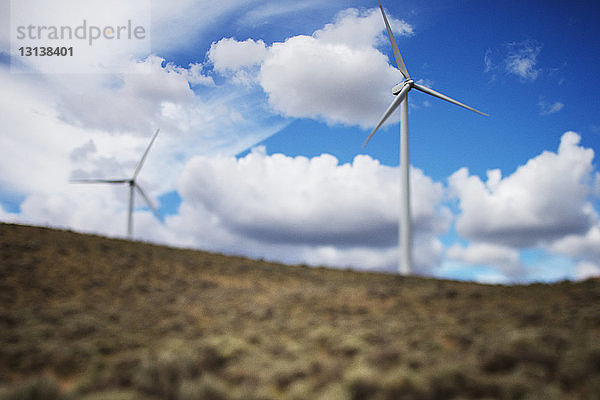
[263,107]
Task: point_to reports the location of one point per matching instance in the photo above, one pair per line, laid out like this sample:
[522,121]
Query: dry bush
[35,388]
[208,387]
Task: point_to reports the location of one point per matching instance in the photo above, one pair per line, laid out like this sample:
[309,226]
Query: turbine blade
[432,92]
[397,56]
[98,180]
[139,165]
[401,95]
[154,210]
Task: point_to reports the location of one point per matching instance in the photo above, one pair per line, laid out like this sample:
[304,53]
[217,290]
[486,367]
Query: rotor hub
[396,89]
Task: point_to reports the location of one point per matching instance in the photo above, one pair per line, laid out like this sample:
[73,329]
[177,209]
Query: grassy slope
[87,317]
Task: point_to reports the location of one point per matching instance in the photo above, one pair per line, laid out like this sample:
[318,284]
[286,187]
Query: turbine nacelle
[398,88]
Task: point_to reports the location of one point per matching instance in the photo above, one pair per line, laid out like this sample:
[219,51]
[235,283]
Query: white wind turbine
[401,92]
[132,186]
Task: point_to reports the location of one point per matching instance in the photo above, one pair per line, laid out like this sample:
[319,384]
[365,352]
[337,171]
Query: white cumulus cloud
[336,75]
[584,249]
[316,206]
[504,258]
[131,102]
[586,245]
[587,269]
[357,29]
[542,201]
[231,55]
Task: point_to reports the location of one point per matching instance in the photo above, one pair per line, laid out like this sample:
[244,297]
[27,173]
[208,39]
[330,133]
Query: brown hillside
[85,317]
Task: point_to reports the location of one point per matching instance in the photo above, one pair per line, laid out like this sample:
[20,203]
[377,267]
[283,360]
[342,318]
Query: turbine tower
[133,185]
[401,92]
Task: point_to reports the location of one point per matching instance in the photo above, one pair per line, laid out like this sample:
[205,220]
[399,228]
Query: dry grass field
[85,317]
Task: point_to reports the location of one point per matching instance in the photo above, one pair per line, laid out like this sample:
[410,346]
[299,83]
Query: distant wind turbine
[401,92]
[132,186]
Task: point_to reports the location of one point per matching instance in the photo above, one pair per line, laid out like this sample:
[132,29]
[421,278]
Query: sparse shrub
[7,319]
[448,383]
[220,349]
[403,384]
[323,336]
[591,388]
[98,376]
[174,324]
[546,392]
[158,377]
[513,386]
[532,318]
[69,359]
[529,349]
[361,383]
[208,387]
[124,369]
[361,388]
[113,395]
[499,361]
[108,344]
[415,364]
[537,353]
[26,357]
[80,326]
[515,390]
[333,391]
[579,365]
[161,373]
[119,373]
[211,358]
[348,346]
[398,385]
[283,377]
[383,358]
[37,388]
